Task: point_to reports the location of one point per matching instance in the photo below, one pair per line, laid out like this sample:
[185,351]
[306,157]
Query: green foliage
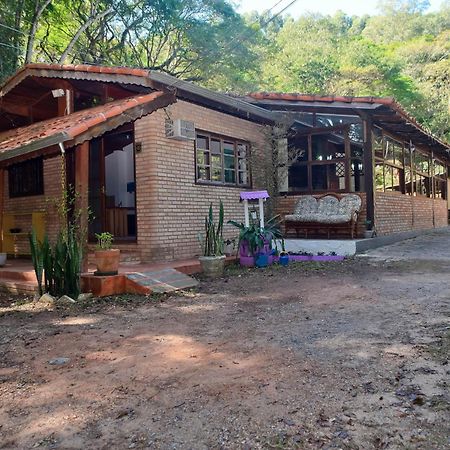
[256,237]
[59,265]
[37,257]
[104,240]
[402,51]
[213,238]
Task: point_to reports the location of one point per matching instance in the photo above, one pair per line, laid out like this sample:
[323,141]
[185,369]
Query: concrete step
[15,286]
[17,274]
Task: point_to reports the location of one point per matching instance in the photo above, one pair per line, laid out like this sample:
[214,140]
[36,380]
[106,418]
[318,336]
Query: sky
[351,7]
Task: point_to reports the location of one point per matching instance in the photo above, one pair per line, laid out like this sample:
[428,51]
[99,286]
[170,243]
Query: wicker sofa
[328,213]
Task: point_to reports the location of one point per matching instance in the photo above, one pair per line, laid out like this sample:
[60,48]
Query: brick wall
[395,212]
[285,205]
[45,202]
[170,206]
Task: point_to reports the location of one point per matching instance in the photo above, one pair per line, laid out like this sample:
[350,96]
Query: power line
[271,19]
[10,46]
[242,35]
[13,29]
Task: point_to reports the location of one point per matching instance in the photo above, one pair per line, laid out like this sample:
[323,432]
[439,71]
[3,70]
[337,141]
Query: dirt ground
[350,355]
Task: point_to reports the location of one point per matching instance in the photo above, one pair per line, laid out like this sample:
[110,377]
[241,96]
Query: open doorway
[112,184]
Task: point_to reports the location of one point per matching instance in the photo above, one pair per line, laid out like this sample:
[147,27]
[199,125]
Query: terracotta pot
[212,266]
[107,261]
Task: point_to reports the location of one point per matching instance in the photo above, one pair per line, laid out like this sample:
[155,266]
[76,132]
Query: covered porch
[72,163]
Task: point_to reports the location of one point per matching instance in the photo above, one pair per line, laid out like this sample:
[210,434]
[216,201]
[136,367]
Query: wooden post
[348,160]
[369,179]
[2,201]
[81,191]
[246,213]
[261,212]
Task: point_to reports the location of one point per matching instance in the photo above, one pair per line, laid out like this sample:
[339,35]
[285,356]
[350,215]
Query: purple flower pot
[327,258]
[247,261]
[300,258]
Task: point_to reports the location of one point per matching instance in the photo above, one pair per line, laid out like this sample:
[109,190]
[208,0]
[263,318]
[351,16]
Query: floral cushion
[335,218]
[327,209]
[350,204]
[328,206]
[305,205]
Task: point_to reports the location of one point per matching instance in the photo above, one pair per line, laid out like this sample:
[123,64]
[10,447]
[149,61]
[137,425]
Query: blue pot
[284,260]
[262,260]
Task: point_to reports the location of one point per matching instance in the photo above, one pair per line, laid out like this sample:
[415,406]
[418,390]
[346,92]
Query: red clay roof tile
[72,125]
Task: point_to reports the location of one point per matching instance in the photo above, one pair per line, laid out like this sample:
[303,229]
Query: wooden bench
[328,213]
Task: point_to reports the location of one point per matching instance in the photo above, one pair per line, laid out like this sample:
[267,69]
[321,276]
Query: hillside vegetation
[403,51]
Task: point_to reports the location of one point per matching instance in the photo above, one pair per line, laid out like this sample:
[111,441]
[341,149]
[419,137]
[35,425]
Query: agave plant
[213,239]
[37,256]
[58,266]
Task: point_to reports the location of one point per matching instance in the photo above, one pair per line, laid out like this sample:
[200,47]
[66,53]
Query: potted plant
[106,257]
[369,232]
[213,259]
[255,243]
[284,255]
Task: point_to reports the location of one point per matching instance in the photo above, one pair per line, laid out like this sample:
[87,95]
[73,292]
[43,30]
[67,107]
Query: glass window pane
[202,142]
[216,160]
[357,176]
[298,178]
[216,174]
[203,173]
[323,150]
[328,177]
[228,148]
[379,177]
[298,149]
[202,158]
[215,146]
[230,176]
[229,162]
[356,152]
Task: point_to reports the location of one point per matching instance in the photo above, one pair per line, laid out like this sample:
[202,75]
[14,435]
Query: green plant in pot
[213,259]
[369,232]
[254,240]
[106,257]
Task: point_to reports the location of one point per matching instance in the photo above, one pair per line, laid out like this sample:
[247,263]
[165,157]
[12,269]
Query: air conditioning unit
[180,129]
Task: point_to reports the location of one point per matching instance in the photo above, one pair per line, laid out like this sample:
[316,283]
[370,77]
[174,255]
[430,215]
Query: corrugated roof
[79,126]
[141,77]
[387,111]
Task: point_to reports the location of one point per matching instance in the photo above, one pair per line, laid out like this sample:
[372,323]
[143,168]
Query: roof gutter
[188,89]
[56,139]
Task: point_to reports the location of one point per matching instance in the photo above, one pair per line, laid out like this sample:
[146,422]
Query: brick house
[144,180]
[147,153]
